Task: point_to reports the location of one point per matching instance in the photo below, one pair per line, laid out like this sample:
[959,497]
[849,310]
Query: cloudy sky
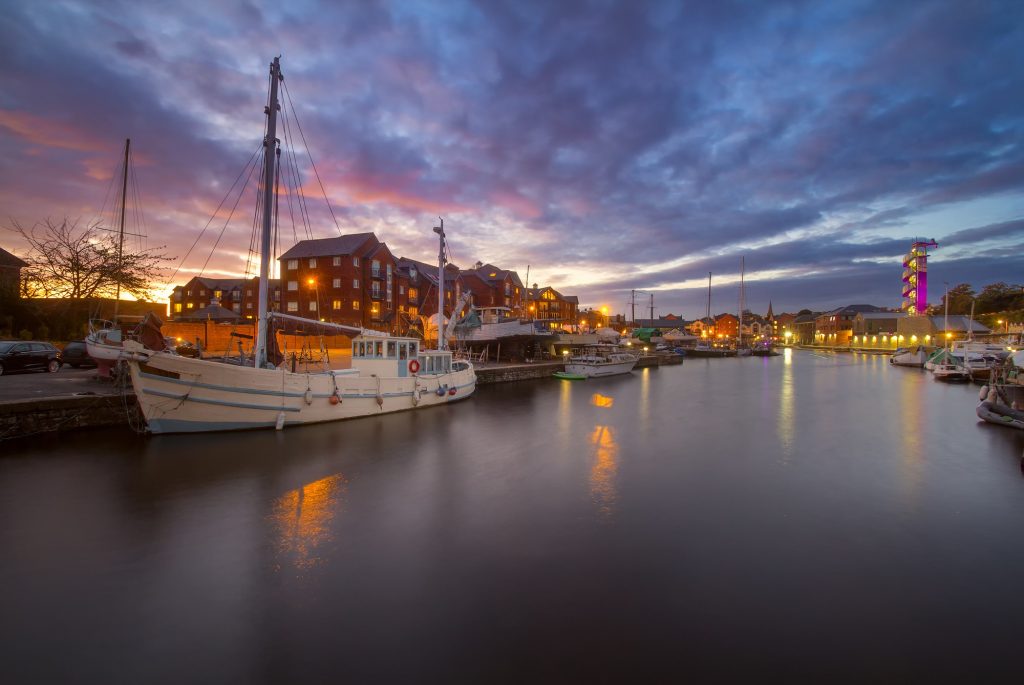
[608,145]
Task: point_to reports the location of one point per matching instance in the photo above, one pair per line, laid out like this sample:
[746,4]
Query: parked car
[75,354]
[28,355]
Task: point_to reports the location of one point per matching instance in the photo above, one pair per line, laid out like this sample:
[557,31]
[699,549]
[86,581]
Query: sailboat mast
[740,327]
[269,149]
[441,342]
[120,239]
[708,314]
[945,316]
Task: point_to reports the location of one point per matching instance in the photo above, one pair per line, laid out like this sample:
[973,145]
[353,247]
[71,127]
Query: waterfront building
[552,308]
[804,329]
[10,275]
[835,327]
[782,324]
[351,279]
[492,286]
[703,327]
[238,295]
[726,326]
[933,330]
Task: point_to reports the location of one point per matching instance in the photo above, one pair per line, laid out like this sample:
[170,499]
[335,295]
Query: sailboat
[705,348]
[179,394]
[741,351]
[105,339]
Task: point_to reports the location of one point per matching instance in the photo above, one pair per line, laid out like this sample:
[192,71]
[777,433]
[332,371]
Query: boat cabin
[390,357]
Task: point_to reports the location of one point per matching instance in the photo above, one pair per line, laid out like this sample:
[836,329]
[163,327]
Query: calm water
[808,516]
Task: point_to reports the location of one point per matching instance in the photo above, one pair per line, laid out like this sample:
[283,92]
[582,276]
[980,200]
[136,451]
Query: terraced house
[352,279]
[356,280]
[239,295]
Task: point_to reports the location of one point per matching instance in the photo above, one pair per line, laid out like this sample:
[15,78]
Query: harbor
[671,509]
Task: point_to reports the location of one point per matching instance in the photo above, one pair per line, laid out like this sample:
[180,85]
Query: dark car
[75,354]
[28,355]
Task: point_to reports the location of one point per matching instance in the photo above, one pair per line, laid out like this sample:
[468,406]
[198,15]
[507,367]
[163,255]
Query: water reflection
[302,519]
[599,400]
[786,428]
[911,428]
[603,471]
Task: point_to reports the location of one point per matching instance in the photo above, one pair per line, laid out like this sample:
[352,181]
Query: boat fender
[993,395]
[440,392]
[983,393]
[334,399]
[308,397]
[452,391]
[280,421]
[414,365]
[415,399]
[380,400]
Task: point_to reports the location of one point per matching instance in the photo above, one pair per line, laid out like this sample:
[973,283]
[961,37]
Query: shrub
[25,334]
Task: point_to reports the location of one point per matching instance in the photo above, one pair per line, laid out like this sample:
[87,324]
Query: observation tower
[915,277]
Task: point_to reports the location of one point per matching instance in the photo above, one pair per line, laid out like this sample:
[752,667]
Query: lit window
[293,264]
[355,304]
[413,311]
[336,304]
[189,306]
[218,293]
[293,306]
[177,307]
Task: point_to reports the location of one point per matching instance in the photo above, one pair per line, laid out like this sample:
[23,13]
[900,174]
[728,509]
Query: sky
[606,146]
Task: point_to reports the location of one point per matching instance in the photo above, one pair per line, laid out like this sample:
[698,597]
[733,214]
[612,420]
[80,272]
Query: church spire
[770,315]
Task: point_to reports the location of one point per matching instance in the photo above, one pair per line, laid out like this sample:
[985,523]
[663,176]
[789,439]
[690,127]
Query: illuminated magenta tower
[915,277]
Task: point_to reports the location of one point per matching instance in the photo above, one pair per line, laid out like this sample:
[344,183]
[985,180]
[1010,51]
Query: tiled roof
[326,247]
[7,259]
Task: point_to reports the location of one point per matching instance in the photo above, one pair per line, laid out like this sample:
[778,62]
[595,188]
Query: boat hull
[1001,415]
[184,395]
[598,369]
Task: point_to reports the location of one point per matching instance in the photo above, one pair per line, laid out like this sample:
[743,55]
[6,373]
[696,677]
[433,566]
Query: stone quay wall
[24,418]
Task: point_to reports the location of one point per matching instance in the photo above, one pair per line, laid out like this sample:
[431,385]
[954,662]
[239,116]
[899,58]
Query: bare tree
[66,261]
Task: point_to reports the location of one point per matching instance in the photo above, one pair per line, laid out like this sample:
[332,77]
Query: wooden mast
[441,342]
[269,155]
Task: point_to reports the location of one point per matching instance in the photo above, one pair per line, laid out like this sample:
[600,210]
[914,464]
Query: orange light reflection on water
[599,400]
[302,518]
[604,470]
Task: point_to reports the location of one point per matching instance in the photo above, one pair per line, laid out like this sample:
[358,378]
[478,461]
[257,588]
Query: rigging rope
[311,162]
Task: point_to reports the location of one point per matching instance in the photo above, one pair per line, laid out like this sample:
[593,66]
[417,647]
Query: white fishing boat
[951,372]
[595,362]
[908,356]
[387,374]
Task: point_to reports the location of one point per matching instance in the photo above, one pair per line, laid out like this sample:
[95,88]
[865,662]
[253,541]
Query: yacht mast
[740,326]
[120,238]
[269,154]
[441,342]
[945,317]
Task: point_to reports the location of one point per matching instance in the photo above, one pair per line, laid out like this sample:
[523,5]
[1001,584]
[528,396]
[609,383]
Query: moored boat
[595,362]
[951,372]
[908,356]
[389,373]
[1000,414]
